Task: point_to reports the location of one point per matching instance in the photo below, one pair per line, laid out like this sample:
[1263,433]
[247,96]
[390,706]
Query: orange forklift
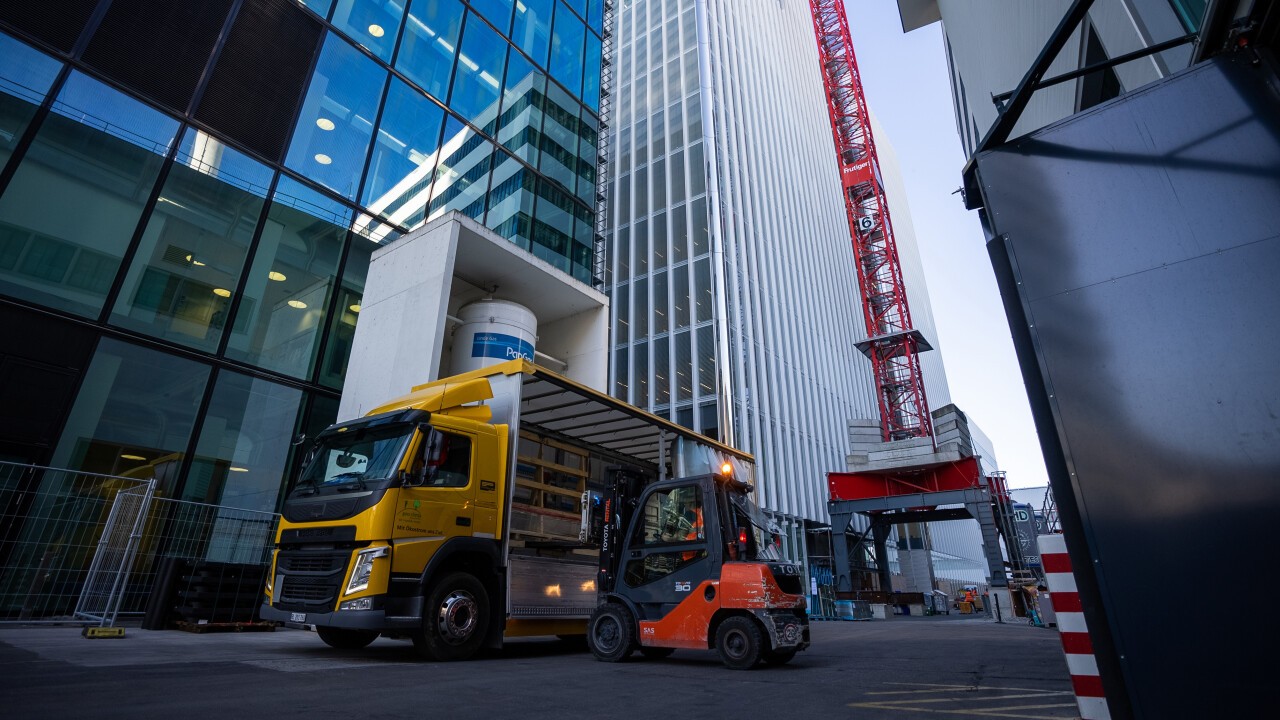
[691,563]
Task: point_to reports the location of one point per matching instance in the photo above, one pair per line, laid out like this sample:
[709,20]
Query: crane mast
[892,345]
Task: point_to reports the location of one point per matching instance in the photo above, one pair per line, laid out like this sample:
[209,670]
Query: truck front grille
[310,580]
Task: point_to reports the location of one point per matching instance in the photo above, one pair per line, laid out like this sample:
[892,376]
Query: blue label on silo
[497,345]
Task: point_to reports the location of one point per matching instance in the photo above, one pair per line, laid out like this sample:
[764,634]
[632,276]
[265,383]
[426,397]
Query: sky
[905,80]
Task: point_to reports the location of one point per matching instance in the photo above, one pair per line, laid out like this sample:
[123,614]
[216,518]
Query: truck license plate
[297,617]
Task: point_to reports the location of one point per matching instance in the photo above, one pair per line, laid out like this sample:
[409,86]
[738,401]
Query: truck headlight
[363,569]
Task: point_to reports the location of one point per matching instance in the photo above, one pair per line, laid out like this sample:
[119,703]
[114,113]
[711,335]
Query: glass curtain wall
[186,240]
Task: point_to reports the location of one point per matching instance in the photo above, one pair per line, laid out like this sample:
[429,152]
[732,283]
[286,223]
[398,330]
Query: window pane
[332,138]
[319,7]
[640,358]
[679,234]
[74,203]
[659,193]
[511,201]
[244,443]
[579,6]
[706,361]
[342,325]
[640,309]
[287,291]
[680,298]
[641,263]
[193,249]
[677,177]
[624,253]
[661,371]
[497,12]
[478,76]
[591,74]
[622,314]
[553,232]
[567,38]
[683,367]
[702,284]
[520,126]
[430,39]
[588,138]
[659,227]
[25,77]
[660,319]
[697,171]
[133,402]
[699,220]
[595,14]
[372,23]
[398,185]
[621,388]
[560,137]
[531,30]
[462,177]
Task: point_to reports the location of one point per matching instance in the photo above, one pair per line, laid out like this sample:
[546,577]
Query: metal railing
[81,547]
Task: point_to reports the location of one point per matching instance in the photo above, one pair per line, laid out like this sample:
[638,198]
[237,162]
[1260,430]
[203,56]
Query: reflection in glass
[511,201]
[194,244]
[404,157]
[25,78]
[531,31]
[280,317]
[333,133]
[477,78]
[560,137]
[430,41]
[74,203]
[462,176]
[342,325]
[372,23]
[319,7]
[133,401]
[588,137]
[520,125]
[595,15]
[244,443]
[567,37]
[553,233]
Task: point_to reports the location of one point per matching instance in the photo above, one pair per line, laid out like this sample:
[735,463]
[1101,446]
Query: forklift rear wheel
[455,619]
[738,640]
[346,639]
[656,653]
[611,633]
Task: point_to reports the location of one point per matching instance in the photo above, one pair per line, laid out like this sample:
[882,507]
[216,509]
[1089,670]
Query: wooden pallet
[226,627]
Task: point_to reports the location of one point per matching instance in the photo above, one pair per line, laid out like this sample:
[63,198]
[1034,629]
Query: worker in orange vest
[695,533]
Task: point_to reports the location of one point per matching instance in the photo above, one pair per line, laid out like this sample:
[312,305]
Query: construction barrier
[1085,680]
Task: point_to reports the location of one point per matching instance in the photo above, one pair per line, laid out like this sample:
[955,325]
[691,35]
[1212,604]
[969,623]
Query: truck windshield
[354,458]
[761,544]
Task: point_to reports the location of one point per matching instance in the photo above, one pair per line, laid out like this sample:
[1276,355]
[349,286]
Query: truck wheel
[455,619]
[611,633]
[738,642]
[346,639]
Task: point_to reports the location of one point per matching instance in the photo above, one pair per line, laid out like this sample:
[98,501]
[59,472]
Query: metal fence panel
[52,522]
[113,561]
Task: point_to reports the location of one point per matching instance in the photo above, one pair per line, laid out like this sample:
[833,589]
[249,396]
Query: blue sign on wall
[497,345]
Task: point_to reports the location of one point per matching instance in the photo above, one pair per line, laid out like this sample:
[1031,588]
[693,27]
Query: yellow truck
[454,515]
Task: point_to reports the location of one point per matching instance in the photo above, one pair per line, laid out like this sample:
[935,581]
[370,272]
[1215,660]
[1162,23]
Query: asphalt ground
[936,667]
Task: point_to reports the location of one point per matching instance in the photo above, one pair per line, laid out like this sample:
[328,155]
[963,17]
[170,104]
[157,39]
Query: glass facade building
[734,293]
[190,194]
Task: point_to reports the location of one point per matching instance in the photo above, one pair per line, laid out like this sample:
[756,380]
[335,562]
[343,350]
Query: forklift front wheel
[738,640]
[611,633]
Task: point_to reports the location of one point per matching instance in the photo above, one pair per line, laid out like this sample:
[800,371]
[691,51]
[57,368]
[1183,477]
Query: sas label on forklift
[684,586]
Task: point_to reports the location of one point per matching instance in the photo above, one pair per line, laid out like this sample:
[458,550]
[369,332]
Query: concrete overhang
[918,13]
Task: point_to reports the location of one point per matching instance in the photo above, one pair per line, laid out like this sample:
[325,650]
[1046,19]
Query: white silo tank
[492,332]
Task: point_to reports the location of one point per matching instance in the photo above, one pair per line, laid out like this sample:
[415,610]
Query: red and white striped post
[1081,662]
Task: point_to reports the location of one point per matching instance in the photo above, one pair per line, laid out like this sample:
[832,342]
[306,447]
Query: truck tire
[455,619]
[739,641]
[611,633]
[346,639]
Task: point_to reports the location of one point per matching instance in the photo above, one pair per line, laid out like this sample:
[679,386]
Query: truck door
[438,502]
[669,548]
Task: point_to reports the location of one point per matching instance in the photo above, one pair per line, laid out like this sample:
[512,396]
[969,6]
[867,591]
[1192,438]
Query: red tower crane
[893,345]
